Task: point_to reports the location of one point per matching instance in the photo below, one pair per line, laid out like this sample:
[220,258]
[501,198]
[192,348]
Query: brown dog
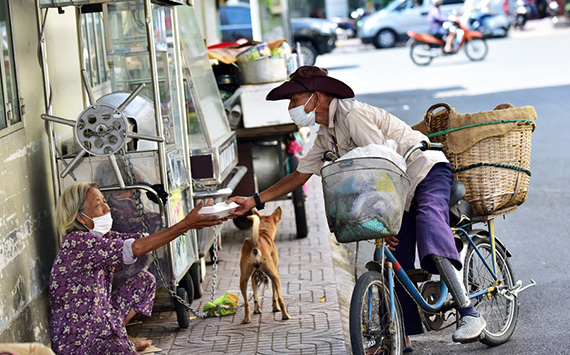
[259,258]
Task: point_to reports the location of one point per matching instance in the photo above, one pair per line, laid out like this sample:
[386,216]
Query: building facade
[28,237]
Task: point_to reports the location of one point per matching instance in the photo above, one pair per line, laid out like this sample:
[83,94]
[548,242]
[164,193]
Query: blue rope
[446,131]
[526,171]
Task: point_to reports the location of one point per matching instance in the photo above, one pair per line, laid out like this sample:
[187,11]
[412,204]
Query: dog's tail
[255,233]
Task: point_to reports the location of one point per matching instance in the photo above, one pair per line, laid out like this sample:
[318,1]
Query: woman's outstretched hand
[194,220]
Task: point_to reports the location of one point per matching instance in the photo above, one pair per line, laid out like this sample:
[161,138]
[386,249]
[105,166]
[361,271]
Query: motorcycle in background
[547,8]
[522,13]
[490,25]
[425,47]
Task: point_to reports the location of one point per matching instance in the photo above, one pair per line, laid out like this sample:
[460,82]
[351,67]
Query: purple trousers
[426,225]
[136,293]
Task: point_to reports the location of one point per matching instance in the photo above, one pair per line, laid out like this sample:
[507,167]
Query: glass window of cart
[130,63]
[94,51]
[201,90]
[9,101]
[130,50]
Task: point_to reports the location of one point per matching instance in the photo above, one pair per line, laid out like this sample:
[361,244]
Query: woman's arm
[194,220]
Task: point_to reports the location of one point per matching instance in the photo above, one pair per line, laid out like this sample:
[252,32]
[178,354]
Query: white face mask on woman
[101,225]
[302,118]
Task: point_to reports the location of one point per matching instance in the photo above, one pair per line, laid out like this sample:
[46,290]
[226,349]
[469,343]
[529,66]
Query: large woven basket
[490,153]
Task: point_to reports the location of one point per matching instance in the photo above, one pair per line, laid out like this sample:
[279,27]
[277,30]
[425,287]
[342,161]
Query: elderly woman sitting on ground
[87,315]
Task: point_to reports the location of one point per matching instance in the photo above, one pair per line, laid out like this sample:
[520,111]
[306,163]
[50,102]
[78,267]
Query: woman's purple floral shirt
[80,290]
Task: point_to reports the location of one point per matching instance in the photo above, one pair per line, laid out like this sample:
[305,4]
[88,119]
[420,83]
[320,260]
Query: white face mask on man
[302,118]
[101,225]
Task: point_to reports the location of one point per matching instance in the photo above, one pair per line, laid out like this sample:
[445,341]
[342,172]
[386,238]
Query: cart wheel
[182,313]
[196,275]
[242,222]
[300,215]
[188,284]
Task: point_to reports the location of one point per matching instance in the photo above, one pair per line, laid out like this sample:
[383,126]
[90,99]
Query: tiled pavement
[308,284]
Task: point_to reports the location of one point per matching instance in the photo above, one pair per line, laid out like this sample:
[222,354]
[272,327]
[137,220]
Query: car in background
[235,22]
[315,36]
[386,27]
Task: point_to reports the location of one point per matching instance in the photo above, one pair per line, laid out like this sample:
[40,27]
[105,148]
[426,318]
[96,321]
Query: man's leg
[471,324]
[449,41]
[438,253]
[405,253]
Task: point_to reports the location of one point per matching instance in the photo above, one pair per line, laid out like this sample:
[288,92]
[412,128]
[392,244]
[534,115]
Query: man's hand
[245,204]
[392,242]
[194,220]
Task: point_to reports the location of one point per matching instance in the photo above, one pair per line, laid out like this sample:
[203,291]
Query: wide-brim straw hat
[310,78]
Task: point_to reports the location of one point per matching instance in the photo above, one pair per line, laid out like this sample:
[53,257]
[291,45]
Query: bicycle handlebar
[423,146]
[329,155]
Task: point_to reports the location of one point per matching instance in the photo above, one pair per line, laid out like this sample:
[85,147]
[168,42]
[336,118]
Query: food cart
[263,128]
[157,140]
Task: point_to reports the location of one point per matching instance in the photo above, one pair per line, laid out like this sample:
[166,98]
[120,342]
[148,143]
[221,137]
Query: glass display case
[135,58]
[212,143]
[63,3]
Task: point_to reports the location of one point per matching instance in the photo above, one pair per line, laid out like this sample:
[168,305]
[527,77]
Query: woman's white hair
[70,203]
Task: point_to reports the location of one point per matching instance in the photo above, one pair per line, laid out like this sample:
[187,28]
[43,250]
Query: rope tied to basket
[463,168]
[446,131]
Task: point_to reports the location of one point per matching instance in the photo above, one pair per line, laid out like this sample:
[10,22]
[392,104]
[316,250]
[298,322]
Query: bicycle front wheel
[372,329]
[500,313]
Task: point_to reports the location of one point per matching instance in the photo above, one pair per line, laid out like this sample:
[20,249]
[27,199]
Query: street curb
[343,278]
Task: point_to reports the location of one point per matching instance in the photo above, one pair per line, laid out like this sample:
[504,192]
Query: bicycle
[376,321]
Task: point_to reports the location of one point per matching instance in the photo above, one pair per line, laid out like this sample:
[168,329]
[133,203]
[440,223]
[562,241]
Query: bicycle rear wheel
[372,331]
[500,313]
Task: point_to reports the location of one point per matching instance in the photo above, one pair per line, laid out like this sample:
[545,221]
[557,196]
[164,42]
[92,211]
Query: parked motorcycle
[346,28]
[424,47]
[490,25]
[547,8]
[522,13]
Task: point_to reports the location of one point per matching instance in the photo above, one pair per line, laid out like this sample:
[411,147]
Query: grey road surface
[527,68]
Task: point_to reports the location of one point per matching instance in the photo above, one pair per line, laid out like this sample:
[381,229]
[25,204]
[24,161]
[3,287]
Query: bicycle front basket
[364,198]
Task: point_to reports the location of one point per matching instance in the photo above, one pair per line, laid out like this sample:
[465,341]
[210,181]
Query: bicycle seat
[457,192]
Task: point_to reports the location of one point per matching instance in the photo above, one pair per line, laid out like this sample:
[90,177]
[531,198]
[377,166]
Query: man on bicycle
[346,124]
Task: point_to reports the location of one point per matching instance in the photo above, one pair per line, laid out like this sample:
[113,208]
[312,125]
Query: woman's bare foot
[141,345]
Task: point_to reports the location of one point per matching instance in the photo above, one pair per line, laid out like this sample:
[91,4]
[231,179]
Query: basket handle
[431,110]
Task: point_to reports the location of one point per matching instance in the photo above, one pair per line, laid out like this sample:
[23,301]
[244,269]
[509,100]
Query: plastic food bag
[227,304]
[386,151]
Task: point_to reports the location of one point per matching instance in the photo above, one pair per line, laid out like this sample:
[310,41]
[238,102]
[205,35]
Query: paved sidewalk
[308,284]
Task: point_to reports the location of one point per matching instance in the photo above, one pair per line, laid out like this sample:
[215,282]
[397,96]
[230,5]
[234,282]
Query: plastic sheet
[387,150]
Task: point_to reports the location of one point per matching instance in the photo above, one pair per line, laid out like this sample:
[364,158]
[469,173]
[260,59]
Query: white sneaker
[469,330]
